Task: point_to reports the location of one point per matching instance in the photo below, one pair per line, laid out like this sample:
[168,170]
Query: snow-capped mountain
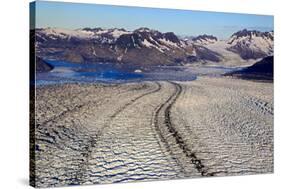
[142,46]
[204,39]
[149,47]
[96,34]
[251,44]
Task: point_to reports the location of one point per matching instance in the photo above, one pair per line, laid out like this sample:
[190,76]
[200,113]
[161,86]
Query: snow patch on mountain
[56,33]
[150,45]
[98,44]
[204,39]
[251,44]
[117,33]
[168,42]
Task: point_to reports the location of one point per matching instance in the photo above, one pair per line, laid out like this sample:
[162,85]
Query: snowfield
[95,133]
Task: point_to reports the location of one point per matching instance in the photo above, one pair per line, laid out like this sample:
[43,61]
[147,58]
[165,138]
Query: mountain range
[148,47]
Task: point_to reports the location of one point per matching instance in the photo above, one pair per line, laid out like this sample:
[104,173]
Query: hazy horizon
[181,22]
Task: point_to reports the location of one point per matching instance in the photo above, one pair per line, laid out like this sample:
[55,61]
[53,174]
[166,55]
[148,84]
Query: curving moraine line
[80,106]
[77,177]
[133,101]
[70,110]
[92,143]
[171,130]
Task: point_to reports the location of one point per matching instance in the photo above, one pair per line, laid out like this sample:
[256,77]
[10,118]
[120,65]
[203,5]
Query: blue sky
[181,22]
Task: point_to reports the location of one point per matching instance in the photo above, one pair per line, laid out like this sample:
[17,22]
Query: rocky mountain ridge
[144,46]
[252,44]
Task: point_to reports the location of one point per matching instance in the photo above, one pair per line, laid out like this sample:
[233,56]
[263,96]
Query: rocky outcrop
[262,70]
[264,66]
[42,65]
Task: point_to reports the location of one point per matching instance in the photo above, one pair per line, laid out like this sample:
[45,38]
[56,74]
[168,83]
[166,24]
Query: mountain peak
[251,44]
[143,29]
[245,33]
[171,37]
[92,29]
[205,39]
